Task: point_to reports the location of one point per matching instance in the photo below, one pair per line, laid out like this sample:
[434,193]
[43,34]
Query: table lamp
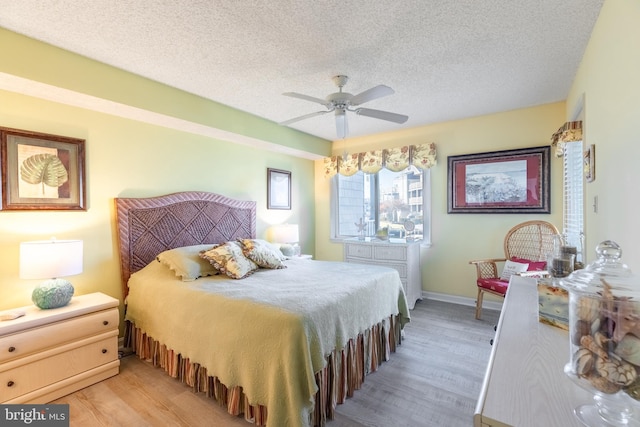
[288,236]
[52,260]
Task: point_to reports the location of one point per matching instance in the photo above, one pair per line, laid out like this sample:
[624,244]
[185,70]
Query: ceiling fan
[341,102]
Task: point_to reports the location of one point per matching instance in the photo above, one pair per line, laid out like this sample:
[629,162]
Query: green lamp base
[52,293]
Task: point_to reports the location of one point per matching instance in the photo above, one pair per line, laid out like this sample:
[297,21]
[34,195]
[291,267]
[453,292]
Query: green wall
[131,158]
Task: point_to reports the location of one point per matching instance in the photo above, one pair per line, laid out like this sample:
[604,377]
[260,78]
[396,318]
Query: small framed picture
[41,171]
[590,163]
[278,189]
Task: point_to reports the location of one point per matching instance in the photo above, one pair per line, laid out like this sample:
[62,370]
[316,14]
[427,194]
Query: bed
[283,345]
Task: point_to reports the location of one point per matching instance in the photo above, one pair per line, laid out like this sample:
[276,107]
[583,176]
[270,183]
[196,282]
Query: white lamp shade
[285,233]
[49,259]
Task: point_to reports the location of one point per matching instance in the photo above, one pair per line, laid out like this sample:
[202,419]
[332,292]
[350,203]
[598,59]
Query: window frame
[573,196]
[426,209]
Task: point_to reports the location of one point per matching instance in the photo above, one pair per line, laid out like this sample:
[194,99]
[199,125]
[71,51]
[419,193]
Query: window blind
[573,195]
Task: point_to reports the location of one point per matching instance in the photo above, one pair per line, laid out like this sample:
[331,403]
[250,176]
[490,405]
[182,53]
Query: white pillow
[510,268]
[187,263]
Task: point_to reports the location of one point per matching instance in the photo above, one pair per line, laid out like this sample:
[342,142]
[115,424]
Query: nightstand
[47,354]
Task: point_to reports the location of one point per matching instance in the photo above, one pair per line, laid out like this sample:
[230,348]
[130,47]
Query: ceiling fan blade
[371,94]
[306,116]
[342,127]
[383,115]
[308,98]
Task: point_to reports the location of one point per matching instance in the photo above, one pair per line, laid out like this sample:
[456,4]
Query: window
[398,201]
[573,195]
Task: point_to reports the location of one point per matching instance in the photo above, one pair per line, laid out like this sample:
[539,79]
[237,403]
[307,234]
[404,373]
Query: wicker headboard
[148,226]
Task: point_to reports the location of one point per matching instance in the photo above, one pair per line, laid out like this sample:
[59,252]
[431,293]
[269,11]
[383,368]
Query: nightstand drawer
[39,370]
[55,334]
[390,253]
[359,251]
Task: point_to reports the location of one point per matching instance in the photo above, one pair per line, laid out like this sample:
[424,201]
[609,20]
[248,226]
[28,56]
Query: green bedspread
[269,332]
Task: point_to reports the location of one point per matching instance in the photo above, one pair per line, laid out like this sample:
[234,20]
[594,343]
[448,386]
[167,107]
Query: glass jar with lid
[604,338]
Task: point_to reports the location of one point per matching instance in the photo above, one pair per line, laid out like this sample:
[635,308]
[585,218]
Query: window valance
[422,156]
[568,132]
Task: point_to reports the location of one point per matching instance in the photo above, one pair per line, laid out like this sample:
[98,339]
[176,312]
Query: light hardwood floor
[433,379]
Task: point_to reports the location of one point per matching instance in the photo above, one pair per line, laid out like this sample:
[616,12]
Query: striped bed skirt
[343,373]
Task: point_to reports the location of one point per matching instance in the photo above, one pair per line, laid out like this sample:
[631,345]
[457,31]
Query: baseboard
[454,299]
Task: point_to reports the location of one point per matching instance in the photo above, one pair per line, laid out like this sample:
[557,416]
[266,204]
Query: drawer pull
[104,351]
[10,384]
[12,349]
[105,322]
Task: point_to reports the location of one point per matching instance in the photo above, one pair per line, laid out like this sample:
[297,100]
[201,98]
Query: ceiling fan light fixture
[342,128]
[341,102]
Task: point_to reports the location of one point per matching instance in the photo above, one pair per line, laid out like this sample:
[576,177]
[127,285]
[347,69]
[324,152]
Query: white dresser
[47,354]
[404,257]
[525,385]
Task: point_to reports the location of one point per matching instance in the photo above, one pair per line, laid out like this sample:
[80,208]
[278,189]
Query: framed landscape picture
[41,171]
[509,181]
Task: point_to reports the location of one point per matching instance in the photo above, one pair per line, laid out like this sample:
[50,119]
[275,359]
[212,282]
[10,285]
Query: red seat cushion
[533,265]
[494,284]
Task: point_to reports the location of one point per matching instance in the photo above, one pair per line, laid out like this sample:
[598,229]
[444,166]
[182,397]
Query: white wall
[609,81]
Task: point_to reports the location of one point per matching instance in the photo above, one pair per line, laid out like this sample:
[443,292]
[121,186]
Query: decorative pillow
[533,265]
[228,258]
[186,262]
[511,268]
[262,253]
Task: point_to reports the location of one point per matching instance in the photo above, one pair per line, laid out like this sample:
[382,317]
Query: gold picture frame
[41,171]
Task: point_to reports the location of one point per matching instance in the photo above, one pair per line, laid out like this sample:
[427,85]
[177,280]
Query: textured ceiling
[445,59]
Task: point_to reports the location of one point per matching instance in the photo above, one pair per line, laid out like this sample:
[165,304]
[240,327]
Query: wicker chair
[531,240]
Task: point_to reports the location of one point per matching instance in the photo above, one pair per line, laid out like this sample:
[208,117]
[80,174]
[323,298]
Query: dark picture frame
[508,181]
[41,171]
[278,189]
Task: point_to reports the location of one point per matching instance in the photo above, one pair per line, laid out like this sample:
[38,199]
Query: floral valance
[422,156]
[568,132]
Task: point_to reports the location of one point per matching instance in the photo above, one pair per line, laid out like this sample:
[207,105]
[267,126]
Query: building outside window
[398,201]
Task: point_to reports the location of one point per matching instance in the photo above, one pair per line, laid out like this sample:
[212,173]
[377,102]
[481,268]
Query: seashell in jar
[588,342]
[629,349]
[588,309]
[580,329]
[595,326]
[616,371]
[584,362]
[601,384]
[603,342]
[633,389]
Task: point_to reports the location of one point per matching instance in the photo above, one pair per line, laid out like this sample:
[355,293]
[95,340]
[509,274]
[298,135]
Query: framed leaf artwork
[41,171]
